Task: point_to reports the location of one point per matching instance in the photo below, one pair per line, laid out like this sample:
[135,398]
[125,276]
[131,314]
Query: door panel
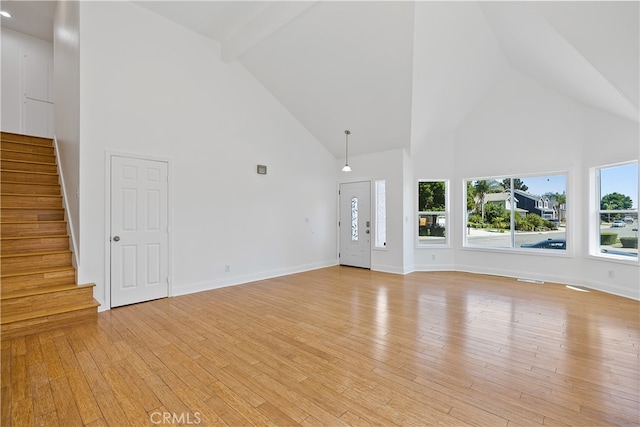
[355,224]
[37,71]
[139,230]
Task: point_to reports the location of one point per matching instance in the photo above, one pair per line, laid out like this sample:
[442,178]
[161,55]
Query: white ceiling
[398,73]
[588,54]
[30,17]
[353,71]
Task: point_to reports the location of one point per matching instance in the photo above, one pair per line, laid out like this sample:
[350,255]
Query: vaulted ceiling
[399,73]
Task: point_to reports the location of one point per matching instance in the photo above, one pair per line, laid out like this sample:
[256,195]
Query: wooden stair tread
[31,195]
[16,141]
[26,183]
[33,222]
[13,150]
[52,236]
[25,139]
[4,183]
[41,291]
[28,208]
[29,172]
[41,271]
[12,318]
[28,254]
[30,162]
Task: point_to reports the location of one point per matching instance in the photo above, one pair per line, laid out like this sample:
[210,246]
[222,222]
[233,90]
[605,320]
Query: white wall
[27,66]
[387,165]
[11,80]
[434,160]
[155,88]
[66,65]
[609,139]
[409,218]
[523,127]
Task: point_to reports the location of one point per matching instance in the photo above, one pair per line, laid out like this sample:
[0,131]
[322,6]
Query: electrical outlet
[611,275]
[227,268]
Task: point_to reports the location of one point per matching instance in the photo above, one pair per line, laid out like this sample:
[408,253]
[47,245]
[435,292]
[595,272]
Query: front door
[139,230]
[355,224]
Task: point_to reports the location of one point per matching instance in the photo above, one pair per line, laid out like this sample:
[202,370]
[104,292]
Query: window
[617,211]
[528,213]
[432,212]
[354,219]
[381,214]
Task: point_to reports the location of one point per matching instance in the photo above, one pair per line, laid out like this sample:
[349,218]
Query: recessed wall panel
[129,270]
[153,174]
[153,210]
[129,209]
[153,264]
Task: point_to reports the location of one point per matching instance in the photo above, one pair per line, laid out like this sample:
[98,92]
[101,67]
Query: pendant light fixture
[346,167]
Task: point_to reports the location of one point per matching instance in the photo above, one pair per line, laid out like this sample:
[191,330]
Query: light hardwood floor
[338,346]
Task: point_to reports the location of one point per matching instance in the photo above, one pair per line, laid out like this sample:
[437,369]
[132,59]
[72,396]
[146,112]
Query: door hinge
[338,254]
[167,280]
[338,223]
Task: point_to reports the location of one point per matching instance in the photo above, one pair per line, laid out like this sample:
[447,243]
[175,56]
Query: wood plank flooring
[338,346]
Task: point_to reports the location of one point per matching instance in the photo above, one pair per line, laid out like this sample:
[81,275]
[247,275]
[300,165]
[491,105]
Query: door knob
[116,238]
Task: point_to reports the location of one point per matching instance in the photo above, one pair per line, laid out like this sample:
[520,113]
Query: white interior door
[139,230]
[355,224]
[38,104]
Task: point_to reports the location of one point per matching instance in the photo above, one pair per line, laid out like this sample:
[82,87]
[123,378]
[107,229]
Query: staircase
[39,290]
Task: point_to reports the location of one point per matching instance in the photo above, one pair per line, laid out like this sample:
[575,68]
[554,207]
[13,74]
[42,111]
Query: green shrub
[500,223]
[608,238]
[495,213]
[535,220]
[629,242]
[522,224]
[475,218]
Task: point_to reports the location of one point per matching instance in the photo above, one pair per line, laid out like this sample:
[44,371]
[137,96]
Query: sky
[621,179]
[540,185]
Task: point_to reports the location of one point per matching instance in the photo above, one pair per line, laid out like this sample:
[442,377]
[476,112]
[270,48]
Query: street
[494,239]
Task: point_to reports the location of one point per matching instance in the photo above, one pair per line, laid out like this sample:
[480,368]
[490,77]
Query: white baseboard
[389,269]
[538,276]
[177,290]
[432,267]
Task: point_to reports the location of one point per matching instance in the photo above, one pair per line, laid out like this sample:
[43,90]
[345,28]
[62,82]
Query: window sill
[616,259]
[515,251]
[435,246]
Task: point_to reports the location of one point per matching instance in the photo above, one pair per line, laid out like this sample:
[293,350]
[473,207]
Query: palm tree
[482,187]
[558,200]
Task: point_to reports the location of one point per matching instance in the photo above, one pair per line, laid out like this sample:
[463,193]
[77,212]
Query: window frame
[379,221]
[446,212]
[595,229]
[513,248]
